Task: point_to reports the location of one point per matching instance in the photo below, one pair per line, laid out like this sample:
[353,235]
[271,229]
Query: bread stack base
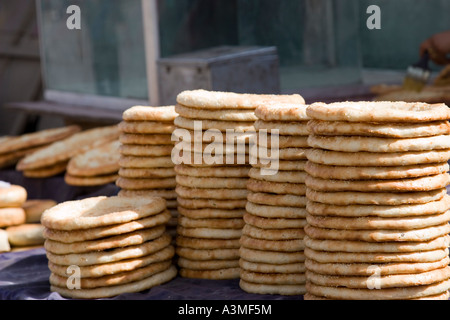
[378,210]
[104,246]
[271,253]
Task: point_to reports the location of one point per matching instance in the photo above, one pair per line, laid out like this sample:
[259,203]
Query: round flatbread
[237,126]
[371,223]
[114,255]
[117,267]
[387,211]
[63,150]
[145,139]
[149,113]
[298,267]
[220,114]
[369,269]
[378,111]
[38,138]
[294,128]
[12,195]
[419,184]
[204,99]
[219,274]
[11,217]
[362,246]
[375,198]
[71,236]
[35,207]
[101,160]
[375,144]
[118,241]
[29,234]
[282,112]
[100,211]
[273,289]
[146,127]
[363,159]
[374,173]
[413,292]
[371,129]
[211,193]
[111,291]
[423,234]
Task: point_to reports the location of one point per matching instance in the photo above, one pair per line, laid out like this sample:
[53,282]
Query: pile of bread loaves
[341,201]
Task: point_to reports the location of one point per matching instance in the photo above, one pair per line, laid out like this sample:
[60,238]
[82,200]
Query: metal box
[226,68]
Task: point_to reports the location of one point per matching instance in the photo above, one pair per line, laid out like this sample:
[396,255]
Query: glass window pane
[106,57]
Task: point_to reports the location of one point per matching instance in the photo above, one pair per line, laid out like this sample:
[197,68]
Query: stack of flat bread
[214,132]
[146,167]
[211,173]
[271,253]
[95,167]
[377,210]
[104,246]
[52,160]
[14,148]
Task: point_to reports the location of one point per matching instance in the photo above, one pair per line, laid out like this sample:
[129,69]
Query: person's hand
[438,46]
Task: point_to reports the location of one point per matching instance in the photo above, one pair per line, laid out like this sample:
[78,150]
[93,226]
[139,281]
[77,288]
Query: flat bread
[117,267]
[150,113]
[27,234]
[371,223]
[282,112]
[38,138]
[387,159]
[412,292]
[114,255]
[71,236]
[379,111]
[295,128]
[374,173]
[111,291]
[47,171]
[12,217]
[363,246]
[204,99]
[89,181]
[101,160]
[100,211]
[381,282]
[377,235]
[191,124]
[146,127]
[369,269]
[375,198]
[145,139]
[123,240]
[211,193]
[384,211]
[65,149]
[222,115]
[379,129]
[375,144]
[12,195]
[272,289]
[426,183]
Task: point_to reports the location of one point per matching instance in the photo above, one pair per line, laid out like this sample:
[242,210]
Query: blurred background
[125,50]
